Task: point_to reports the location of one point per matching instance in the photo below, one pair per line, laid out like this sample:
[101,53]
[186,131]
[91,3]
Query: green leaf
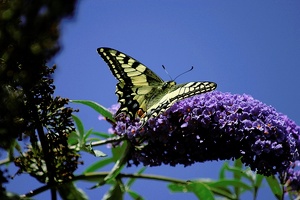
[118,165]
[199,189]
[69,191]
[86,135]
[97,107]
[115,192]
[238,176]
[73,138]
[275,186]
[122,159]
[228,182]
[224,192]
[91,177]
[134,195]
[76,137]
[222,173]
[258,180]
[102,135]
[238,172]
[222,187]
[79,125]
[238,165]
[175,187]
[118,152]
[257,183]
[98,165]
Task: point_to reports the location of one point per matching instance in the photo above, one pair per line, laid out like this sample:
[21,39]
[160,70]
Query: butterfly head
[168,84]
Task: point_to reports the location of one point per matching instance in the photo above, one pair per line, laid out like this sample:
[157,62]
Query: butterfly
[141,93]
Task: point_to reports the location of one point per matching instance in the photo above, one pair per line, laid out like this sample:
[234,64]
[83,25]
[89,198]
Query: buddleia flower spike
[216,126]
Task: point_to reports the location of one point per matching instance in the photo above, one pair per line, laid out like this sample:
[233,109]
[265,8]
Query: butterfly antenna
[184,72]
[167,72]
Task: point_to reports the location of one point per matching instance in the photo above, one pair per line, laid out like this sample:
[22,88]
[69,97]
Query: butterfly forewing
[141,92]
[135,80]
[127,69]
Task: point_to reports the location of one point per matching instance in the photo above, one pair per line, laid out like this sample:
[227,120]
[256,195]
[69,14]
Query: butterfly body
[141,92]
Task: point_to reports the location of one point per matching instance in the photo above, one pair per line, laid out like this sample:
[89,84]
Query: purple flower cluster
[215,126]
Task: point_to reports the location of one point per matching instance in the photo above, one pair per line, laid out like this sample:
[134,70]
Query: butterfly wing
[135,80]
[167,97]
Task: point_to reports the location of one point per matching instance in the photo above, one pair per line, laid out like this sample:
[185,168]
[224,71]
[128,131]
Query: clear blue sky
[250,47]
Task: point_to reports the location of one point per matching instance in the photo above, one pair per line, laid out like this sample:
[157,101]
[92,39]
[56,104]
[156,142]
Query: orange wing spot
[140,113]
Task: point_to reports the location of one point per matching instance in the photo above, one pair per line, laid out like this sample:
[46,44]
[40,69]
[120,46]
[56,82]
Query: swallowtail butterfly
[141,92]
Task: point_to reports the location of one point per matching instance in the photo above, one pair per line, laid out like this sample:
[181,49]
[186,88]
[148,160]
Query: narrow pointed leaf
[102,135]
[134,195]
[275,186]
[222,173]
[199,189]
[70,191]
[117,167]
[79,125]
[97,107]
[248,174]
[258,180]
[115,193]
[98,165]
[119,151]
[229,182]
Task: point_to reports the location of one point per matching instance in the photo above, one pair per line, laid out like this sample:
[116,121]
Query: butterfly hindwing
[164,101]
[141,93]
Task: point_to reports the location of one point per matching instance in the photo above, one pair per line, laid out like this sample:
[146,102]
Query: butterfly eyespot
[139,87]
